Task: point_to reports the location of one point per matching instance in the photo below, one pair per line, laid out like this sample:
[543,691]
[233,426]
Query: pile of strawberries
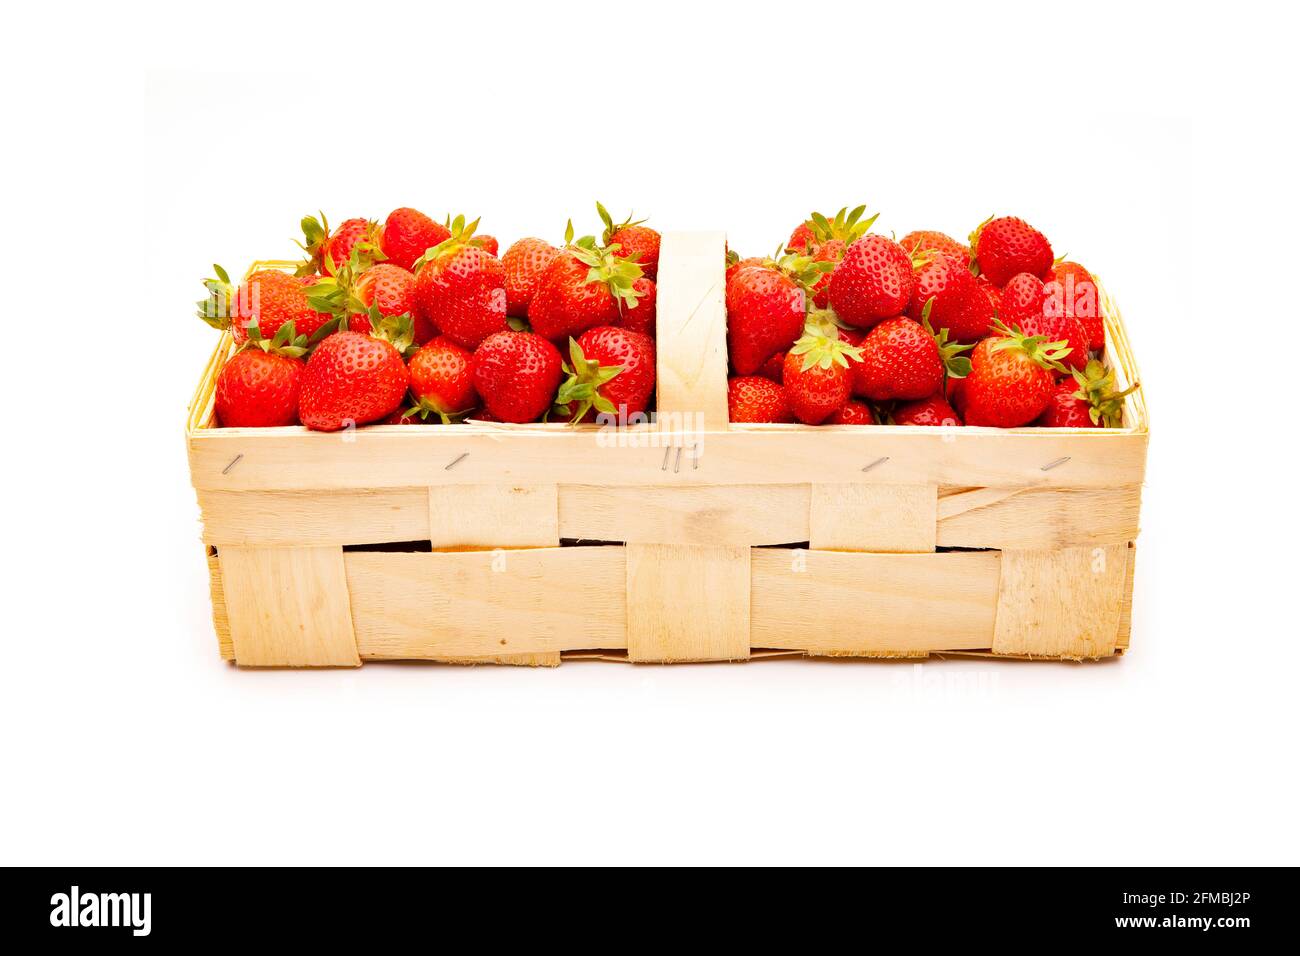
[848,327]
[414,321]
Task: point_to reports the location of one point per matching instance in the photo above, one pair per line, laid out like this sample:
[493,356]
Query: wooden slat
[493,516]
[691,349]
[288,607]
[872,605]
[301,518]
[882,518]
[1126,608]
[687,602]
[1039,518]
[485,604]
[703,514]
[1061,604]
[397,456]
[220,621]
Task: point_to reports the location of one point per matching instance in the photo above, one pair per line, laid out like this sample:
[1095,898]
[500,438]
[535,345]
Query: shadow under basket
[685,539]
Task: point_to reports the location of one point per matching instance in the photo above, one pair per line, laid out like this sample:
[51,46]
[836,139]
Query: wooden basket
[685,540]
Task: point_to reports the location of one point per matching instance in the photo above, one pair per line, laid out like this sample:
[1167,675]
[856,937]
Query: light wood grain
[1061,604]
[220,621]
[493,516]
[691,349]
[687,603]
[298,518]
[482,604]
[702,514]
[1039,518]
[288,607]
[883,518]
[872,605]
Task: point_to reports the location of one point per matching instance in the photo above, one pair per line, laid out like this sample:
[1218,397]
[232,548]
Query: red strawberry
[801,238]
[735,264]
[517,373]
[917,244]
[853,413]
[753,398]
[391,290]
[765,315]
[329,251]
[1011,380]
[489,243]
[585,286]
[353,378]
[901,360]
[1071,290]
[873,281]
[460,288]
[409,234]
[1086,399]
[773,367]
[524,264]
[641,316]
[1006,246]
[928,411]
[816,376]
[267,299]
[832,250]
[1060,328]
[1022,297]
[993,293]
[442,380]
[402,415]
[612,371]
[258,387]
[635,241]
[957,303]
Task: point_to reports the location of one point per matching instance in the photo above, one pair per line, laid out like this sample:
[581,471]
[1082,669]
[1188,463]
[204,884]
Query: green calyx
[1044,353]
[314,234]
[336,294]
[618,274]
[422,408]
[955,365]
[215,309]
[610,226]
[1097,388]
[580,391]
[462,235]
[846,225]
[397,330]
[286,341]
[820,350]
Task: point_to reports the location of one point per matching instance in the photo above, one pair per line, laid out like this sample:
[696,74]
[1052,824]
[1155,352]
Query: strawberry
[816,376]
[266,299]
[460,287]
[957,303]
[832,250]
[1022,297]
[824,240]
[928,411]
[1060,328]
[524,264]
[517,373]
[1025,307]
[612,371]
[801,239]
[873,281]
[902,359]
[1071,290]
[1086,399]
[635,241]
[328,252]
[585,286]
[409,234]
[353,378]
[735,264]
[993,293]
[442,380]
[1011,379]
[1006,246]
[773,367]
[489,243]
[641,316]
[765,315]
[753,398]
[853,413]
[926,241]
[258,387]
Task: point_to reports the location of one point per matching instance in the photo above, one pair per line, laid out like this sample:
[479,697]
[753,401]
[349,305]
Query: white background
[1155,145]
